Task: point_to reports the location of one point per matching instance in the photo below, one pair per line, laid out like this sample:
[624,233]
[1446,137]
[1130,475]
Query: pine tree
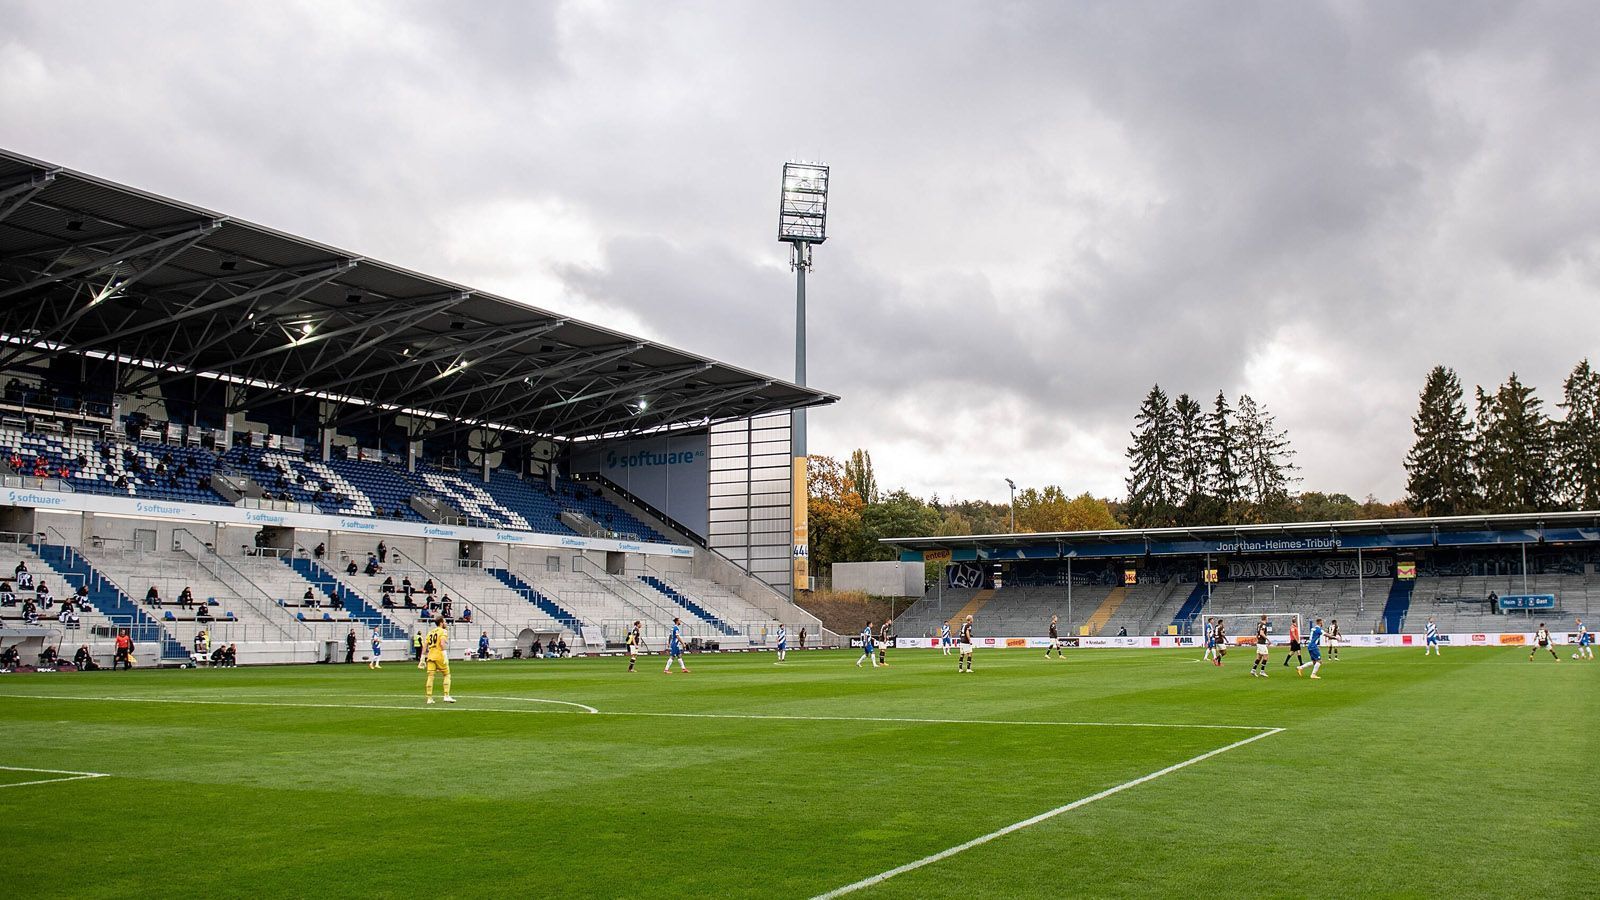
[1267,457]
[1225,485]
[859,470]
[1512,449]
[1578,439]
[1152,476]
[1193,464]
[1439,467]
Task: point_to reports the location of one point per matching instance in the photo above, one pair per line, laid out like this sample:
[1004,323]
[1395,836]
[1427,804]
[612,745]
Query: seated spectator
[152,597]
[537,650]
[561,648]
[42,594]
[372,566]
[82,594]
[405,586]
[10,659]
[203,614]
[335,601]
[22,576]
[310,598]
[320,551]
[232,659]
[72,621]
[427,614]
[30,613]
[466,614]
[47,657]
[185,597]
[218,657]
[428,588]
[84,660]
[388,584]
[410,602]
[351,569]
[388,600]
[445,607]
[8,597]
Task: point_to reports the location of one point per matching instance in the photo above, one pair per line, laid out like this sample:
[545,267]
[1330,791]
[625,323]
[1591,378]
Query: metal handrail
[206,551]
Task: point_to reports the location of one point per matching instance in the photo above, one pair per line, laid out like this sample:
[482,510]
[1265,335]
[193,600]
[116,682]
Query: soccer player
[635,640]
[1210,639]
[1432,640]
[885,635]
[1294,643]
[1542,641]
[1585,643]
[435,647]
[1263,648]
[675,647]
[783,642]
[1219,639]
[1055,639]
[964,646]
[376,662]
[1313,647]
[1334,637]
[866,647]
[944,638]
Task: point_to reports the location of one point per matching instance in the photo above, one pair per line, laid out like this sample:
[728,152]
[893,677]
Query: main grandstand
[195,402]
[1375,577]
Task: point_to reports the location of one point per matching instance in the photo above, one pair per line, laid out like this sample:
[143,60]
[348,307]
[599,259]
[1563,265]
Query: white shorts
[964,648]
[1262,649]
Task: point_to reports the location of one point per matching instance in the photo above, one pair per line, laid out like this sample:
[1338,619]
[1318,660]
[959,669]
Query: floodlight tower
[802,221]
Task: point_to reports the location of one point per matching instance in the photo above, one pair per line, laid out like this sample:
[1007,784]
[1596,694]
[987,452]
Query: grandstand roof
[1177,539]
[92,267]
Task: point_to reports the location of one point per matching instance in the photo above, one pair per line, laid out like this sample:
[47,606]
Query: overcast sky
[1038,210]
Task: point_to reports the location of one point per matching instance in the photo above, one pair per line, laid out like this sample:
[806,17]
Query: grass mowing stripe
[1044,816]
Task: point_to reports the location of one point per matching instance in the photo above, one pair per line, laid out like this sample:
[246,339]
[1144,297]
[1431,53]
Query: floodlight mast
[802,221]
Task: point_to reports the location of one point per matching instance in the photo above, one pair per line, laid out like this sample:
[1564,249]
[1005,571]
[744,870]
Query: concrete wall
[880,579]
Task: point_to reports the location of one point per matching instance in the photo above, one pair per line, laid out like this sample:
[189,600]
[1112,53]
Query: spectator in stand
[82,594]
[483,645]
[383,552]
[310,598]
[428,588]
[84,660]
[30,613]
[537,650]
[218,657]
[232,658]
[201,644]
[388,600]
[42,594]
[406,588]
[388,585]
[466,614]
[336,601]
[10,659]
[350,646]
[445,607]
[185,598]
[320,551]
[124,652]
[23,577]
[373,568]
[8,597]
[351,568]
[152,597]
[203,614]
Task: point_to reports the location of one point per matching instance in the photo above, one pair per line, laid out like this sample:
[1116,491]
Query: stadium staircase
[1190,610]
[110,600]
[682,600]
[354,604]
[1398,604]
[1108,608]
[979,601]
[529,593]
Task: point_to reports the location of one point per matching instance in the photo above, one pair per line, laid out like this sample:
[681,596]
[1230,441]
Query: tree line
[1509,455]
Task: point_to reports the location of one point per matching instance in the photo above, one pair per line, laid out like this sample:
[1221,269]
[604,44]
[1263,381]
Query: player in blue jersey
[866,647]
[675,647]
[1314,648]
[944,638]
[1432,639]
[1585,643]
[783,641]
[1210,639]
[376,662]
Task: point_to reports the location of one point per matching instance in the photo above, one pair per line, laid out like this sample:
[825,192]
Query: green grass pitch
[1465,775]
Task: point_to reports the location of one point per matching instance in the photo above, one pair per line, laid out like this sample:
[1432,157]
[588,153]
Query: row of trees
[1189,465]
[1510,456]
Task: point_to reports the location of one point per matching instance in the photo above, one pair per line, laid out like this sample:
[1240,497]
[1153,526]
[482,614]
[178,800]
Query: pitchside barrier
[1464,639]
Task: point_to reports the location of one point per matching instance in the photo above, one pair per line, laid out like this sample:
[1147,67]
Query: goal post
[1240,628]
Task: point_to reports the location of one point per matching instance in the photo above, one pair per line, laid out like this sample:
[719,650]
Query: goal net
[1240,628]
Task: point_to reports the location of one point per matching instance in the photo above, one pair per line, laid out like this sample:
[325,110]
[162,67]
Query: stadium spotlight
[802,221]
[1013,486]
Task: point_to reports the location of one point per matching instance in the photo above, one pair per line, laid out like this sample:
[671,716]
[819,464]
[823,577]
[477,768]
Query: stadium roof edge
[180,291]
[1216,532]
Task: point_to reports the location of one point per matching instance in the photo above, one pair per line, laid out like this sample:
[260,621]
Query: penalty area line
[68,773]
[1044,816]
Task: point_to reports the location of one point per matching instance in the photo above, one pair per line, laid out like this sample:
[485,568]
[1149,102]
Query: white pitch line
[71,776]
[1018,826]
[666,715]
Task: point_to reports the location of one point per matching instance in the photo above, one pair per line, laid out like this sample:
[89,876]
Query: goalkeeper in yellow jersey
[434,654]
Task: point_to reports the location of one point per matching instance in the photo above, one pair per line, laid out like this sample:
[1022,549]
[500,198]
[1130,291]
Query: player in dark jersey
[964,646]
[1055,639]
[1220,637]
[885,635]
[1263,647]
[1294,643]
[1542,641]
[635,644]
[1334,639]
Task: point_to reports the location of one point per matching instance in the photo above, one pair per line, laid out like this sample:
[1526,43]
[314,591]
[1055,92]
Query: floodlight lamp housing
[803,209]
